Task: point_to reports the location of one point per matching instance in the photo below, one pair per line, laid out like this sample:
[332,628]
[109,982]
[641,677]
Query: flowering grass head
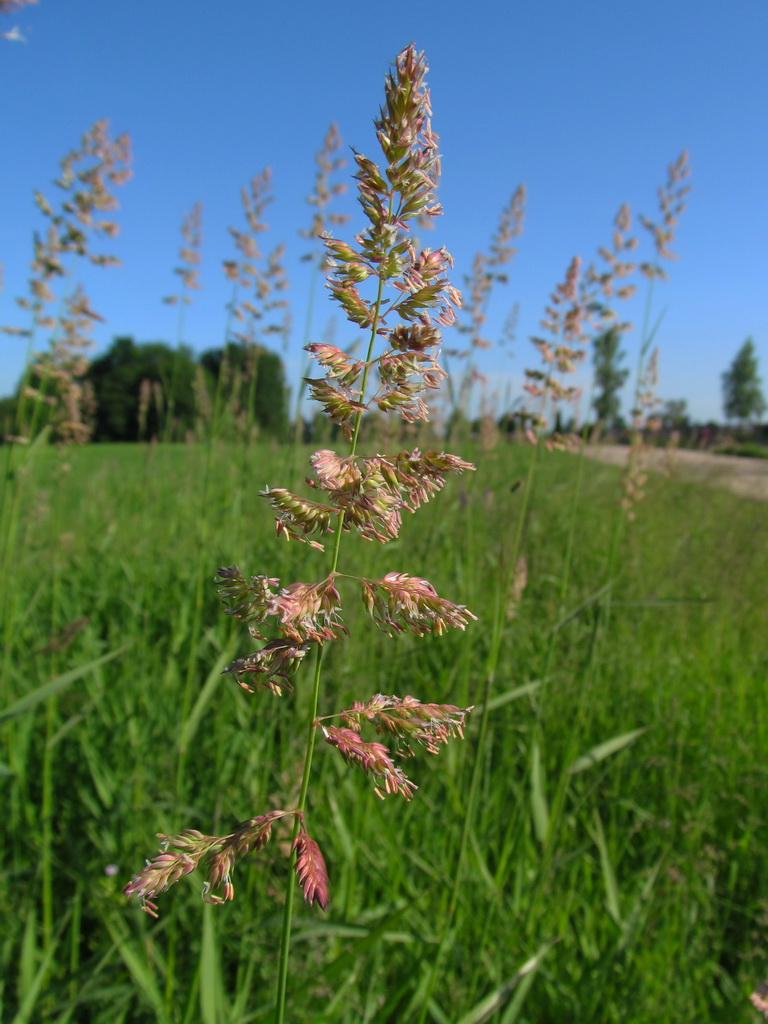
[585,304]
[88,179]
[401,297]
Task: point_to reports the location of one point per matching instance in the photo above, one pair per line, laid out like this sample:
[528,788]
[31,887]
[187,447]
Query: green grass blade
[610,884]
[639,909]
[664,602]
[28,955]
[31,984]
[41,693]
[582,606]
[334,1010]
[24,1016]
[481,864]
[539,807]
[512,1012]
[140,971]
[212,682]
[604,750]
[365,940]
[505,698]
[436,1013]
[493,1002]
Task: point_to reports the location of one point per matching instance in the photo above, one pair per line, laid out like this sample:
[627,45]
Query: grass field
[635,875]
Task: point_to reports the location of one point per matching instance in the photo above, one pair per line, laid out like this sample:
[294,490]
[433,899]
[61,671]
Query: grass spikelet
[311,871]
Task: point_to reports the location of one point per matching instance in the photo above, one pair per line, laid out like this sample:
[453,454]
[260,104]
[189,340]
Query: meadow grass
[622,791]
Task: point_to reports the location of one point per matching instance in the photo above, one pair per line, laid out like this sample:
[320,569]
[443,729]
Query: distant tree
[610,378]
[564,425]
[507,423]
[252,384]
[674,415]
[117,378]
[742,395]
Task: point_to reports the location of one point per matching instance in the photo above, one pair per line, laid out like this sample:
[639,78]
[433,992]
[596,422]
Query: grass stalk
[285,935]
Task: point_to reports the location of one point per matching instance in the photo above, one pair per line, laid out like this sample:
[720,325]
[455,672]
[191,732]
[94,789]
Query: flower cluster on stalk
[88,179]
[488,269]
[189,257]
[255,313]
[326,189]
[257,309]
[401,297]
[672,198]
[585,304]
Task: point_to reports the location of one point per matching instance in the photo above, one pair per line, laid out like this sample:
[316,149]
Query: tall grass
[631,857]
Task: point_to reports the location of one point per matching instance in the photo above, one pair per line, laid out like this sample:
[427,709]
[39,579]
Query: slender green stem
[285,935]
[567,558]
[75,940]
[47,810]
[218,395]
[46,821]
[170,406]
[569,544]
[290,889]
[647,336]
[201,573]
[13,484]
[201,570]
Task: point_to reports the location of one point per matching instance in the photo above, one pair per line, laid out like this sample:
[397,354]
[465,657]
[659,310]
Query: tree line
[743,400]
[140,391]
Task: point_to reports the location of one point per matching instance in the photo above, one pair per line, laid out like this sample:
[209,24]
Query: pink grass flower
[311,870]
[400,296]
[373,758]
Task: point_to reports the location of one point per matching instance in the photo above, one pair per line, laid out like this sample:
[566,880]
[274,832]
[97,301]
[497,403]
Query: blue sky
[585,103]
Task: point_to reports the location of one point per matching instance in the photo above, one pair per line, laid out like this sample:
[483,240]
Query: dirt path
[747,477]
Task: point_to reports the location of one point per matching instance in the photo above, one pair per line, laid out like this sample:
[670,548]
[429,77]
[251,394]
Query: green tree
[674,415]
[118,381]
[610,377]
[252,385]
[742,394]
